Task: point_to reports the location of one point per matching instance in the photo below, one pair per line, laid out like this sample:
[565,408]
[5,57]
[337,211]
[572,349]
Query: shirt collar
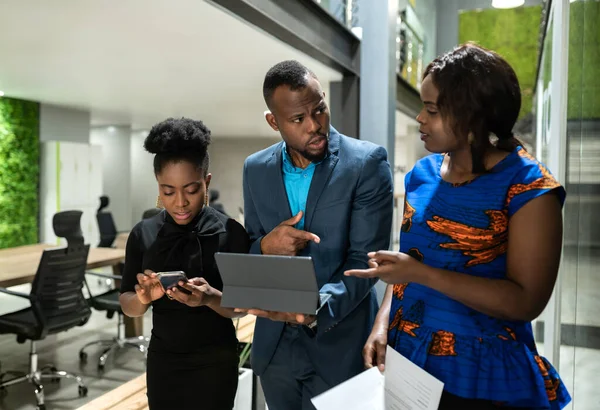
[287,160]
[286,157]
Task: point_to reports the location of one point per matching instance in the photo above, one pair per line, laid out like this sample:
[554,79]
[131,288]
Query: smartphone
[170,279]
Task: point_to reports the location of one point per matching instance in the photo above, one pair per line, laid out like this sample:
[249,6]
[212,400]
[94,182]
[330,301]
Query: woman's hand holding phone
[200,293]
[149,287]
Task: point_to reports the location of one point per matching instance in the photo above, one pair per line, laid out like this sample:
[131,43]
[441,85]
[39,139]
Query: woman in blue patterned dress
[480,245]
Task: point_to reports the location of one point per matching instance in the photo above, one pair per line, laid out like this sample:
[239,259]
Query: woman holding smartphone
[192,357]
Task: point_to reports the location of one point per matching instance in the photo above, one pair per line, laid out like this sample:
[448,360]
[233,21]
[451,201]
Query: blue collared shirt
[297,184]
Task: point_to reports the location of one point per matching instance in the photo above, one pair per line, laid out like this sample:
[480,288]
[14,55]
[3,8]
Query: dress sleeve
[531,181]
[238,240]
[133,261]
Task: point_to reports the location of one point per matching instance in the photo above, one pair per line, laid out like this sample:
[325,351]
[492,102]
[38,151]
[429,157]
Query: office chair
[109,302]
[57,305]
[213,201]
[106,224]
[149,213]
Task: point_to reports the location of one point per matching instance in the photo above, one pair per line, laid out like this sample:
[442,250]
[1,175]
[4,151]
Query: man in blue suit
[322,194]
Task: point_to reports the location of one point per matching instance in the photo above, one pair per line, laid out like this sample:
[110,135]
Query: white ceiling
[139,61]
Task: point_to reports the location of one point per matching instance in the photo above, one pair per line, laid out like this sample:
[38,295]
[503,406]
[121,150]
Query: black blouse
[160,244]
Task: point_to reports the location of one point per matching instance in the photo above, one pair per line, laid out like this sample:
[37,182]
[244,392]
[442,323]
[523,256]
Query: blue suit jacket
[349,206]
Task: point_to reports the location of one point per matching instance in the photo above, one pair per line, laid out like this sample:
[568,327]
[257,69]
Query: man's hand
[287,240]
[148,288]
[202,294]
[295,318]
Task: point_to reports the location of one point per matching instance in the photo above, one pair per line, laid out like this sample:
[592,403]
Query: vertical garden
[19,172]
[513,34]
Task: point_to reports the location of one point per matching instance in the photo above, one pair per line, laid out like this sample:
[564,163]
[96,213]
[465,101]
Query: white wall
[116,167]
[76,171]
[64,124]
[143,184]
[227,157]
[408,149]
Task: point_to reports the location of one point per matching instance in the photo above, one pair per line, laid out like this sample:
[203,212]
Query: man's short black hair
[290,73]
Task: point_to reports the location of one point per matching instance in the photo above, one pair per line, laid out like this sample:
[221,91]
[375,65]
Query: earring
[471,138]
[159,203]
[206,198]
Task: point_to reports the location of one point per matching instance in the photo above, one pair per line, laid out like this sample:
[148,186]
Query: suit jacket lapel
[274,178]
[321,177]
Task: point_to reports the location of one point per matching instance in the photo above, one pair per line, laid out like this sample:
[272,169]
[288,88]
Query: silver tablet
[267,282]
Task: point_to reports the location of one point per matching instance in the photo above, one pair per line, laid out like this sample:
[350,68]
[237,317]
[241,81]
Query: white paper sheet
[404,386]
[407,386]
[364,391]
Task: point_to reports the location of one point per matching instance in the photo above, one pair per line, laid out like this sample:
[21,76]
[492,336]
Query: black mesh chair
[107,229]
[213,201]
[109,302]
[106,224]
[149,213]
[57,304]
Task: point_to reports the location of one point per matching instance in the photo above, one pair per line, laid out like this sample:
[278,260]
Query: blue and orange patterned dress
[464,228]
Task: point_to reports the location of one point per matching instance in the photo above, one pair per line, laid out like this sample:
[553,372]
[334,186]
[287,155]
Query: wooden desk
[128,396]
[121,240]
[244,328]
[19,265]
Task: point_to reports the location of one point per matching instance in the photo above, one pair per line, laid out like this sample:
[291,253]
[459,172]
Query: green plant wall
[512,33]
[19,172]
[584,60]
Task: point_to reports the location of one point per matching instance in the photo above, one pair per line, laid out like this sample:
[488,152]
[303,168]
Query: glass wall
[578,300]
[581,296]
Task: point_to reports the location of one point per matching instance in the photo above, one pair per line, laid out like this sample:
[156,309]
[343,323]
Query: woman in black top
[192,357]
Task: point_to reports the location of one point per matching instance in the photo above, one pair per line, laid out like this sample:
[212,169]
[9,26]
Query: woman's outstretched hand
[390,267]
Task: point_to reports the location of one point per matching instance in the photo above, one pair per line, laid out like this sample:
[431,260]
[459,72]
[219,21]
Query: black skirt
[206,380]
[452,402]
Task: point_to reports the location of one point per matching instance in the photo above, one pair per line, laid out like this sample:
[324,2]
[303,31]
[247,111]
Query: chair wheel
[83,356]
[41,407]
[83,391]
[100,367]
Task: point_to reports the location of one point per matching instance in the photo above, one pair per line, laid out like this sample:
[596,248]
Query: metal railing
[410,45]
[345,11]
[409,49]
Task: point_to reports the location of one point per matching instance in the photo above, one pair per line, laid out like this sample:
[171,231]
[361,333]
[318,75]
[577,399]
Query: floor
[579,369]
[580,349]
